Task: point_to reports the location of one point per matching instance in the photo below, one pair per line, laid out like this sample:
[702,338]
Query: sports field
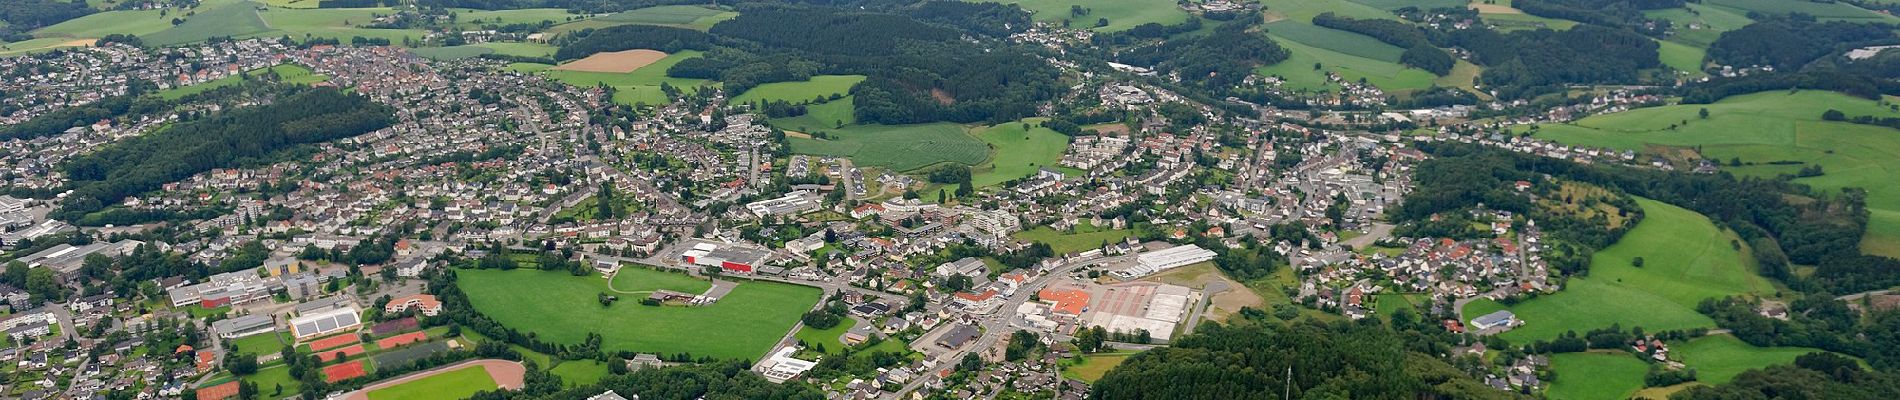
[636,278]
[1717,359]
[562,308]
[1766,127]
[1686,259]
[801,91]
[1121,14]
[1018,152]
[898,147]
[450,385]
[1085,237]
[1612,375]
[641,85]
[260,344]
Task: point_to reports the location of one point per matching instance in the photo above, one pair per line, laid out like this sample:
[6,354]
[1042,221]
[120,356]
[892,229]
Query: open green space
[457,384]
[1767,127]
[1121,14]
[637,278]
[1091,367]
[1420,4]
[1821,10]
[677,16]
[29,46]
[831,339]
[1019,152]
[1686,259]
[824,116]
[476,50]
[1609,375]
[580,372]
[1085,237]
[1343,42]
[1299,73]
[1702,26]
[267,379]
[1682,57]
[1519,21]
[822,86]
[260,344]
[286,73]
[134,22]
[642,86]
[233,19]
[1717,359]
[467,18]
[1303,11]
[341,24]
[562,308]
[898,147]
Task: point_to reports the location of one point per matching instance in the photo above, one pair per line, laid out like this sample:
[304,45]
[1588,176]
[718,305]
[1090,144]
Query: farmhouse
[324,323]
[731,258]
[427,304]
[244,326]
[1162,260]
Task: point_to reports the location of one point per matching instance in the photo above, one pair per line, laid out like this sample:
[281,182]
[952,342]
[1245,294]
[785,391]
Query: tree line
[1419,51]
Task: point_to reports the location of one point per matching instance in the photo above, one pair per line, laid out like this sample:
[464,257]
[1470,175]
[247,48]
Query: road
[1200,308]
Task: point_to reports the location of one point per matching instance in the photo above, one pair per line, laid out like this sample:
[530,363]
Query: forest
[1217,61]
[1419,51]
[1790,43]
[230,138]
[629,37]
[1818,321]
[1527,63]
[58,121]
[1812,376]
[21,16]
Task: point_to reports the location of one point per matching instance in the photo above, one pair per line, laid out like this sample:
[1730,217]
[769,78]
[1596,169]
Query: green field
[678,16]
[1084,238]
[1121,14]
[474,19]
[451,385]
[1711,21]
[832,338]
[28,46]
[135,22]
[898,147]
[1521,21]
[1829,10]
[1303,11]
[562,308]
[476,50]
[1092,367]
[1682,57]
[1596,376]
[260,344]
[829,115]
[580,372]
[800,91]
[234,19]
[1686,259]
[341,24]
[286,73]
[1018,152]
[637,278]
[641,85]
[1343,42]
[1772,126]
[1299,73]
[1718,359]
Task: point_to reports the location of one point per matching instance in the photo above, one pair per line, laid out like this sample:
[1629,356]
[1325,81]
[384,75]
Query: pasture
[1092,367]
[1767,127]
[476,50]
[1018,152]
[134,22]
[1824,11]
[677,16]
[1518,21]
[1299,73]
[800,91]
[1302,11]
[1121,14]
[1085,237]
[449,385]
[1610,375]
[41,44]
[828,115]
[580,372]
[1717,359]
[641,278]
[897,147]
[232,19]
[641,85]
[618,62]
[337,23]
[1343,42]
[1686,259]
[1711,22]
[562,308]
[1682,57]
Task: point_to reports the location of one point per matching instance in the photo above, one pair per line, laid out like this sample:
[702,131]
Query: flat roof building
[1166,259]
[325,323]
[248,325]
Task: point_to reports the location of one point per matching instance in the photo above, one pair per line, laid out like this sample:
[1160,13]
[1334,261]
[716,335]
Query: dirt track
[507,375]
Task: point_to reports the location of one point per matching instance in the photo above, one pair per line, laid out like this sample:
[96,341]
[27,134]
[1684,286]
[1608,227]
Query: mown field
[824,117]
[1767,127]
[1018,152]
[637,278]
[476,50]
[800,91]
[1091,367]
[451,385]
[1121,14]
[678,16]
[1299,73]
[1821,10]
[1717,359]
[1686,259]
[641,85]
[232,19]
[580,372]
[897,147]
[563,309]
[831,339]
[1084,238]
[1608,375]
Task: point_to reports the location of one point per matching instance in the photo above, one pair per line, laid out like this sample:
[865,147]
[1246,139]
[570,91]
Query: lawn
[829,115]
[233,19]
[457,384]
[1092,367]
[1686,259]
[1596,376]
[1084,238]
[831,339]
[1718,359]
[642,86]
[1772,126]
[800,91]
[639,278]
[898,147]
[269,378]
[1018,152]
[580,372]
[260,344]
[1121,14]
[562,308]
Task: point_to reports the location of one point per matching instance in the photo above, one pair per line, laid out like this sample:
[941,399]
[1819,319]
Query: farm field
[1518,21]
[476,50]
[1719,358]
[678,16]
[1121,14]
[450,385]
[641,85]
[1682,57]
[1091,367]
[827,116]
[1714,21]
[1824,11]
[1302,11]
[1299,73]
[1084,238]
[1596,376]
[232,19]
[794,92]
[618,62]
[1343,42]
[1018,152]
[337,23]
[1686,259]
[134,22]
[562,308]
[468,18]
[580,372]
[1772,126]
[41,44]
[897,147]
[640,278]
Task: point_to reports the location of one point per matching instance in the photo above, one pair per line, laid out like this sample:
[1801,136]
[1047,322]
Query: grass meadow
[640,278]
[1121,14]
[1085,237]
[562,308]
[1717,359]
[831,339]
[1607,375]
[1825,11]
[1092,367]
[580,372]
[821,117]
[287,73]
[1018,152]
[1767,127]
[230,19]
[1686,259]
[800,91]
[897,147]
[450,385]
